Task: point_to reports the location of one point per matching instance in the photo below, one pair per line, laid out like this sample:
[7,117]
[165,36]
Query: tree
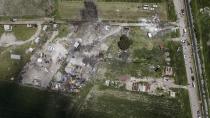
[124,42]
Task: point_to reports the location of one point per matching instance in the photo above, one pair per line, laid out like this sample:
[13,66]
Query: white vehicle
[152,9]
[50,48]
[184,30]
[145,8]
[36,40]
[155,6]
[44,28]
[13,19]
[184,56]
[183,41]
[193,84]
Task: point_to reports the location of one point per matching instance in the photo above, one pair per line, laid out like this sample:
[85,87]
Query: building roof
[7,28]
[76,44]
[14,56]
[149,35]
[124,78]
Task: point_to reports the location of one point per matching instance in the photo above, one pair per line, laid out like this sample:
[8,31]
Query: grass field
[21,8]
[177,62]
[22,32]
[144,54]
[111,103]
[183,98]
[11,68]
[71,10]
[23,102]
[171,11]
[63,31]
[110,10]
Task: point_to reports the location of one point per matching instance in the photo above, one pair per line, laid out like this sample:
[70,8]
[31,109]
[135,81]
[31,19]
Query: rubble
[65,64]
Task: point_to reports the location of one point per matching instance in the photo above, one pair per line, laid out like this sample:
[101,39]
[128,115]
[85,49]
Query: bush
[124,42]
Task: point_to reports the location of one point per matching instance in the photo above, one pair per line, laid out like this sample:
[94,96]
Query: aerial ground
[110,58]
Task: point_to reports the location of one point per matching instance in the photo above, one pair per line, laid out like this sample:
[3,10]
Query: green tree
[124,42]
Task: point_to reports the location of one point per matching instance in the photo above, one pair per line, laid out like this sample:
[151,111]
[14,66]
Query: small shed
[29,25]
[172,94]
[44,28]
[7,28]
[142,88]
[36,40]
[55,25]
[14,56]
[107,82]
[149,35]
[145,8]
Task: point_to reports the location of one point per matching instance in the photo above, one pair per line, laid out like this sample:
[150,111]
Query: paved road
[203,91]
[134,24]
[187,51]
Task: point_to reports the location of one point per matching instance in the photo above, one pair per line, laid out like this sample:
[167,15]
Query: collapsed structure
[68,62]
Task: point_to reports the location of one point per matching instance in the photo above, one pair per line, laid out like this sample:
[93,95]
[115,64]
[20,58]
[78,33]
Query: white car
[184,30]
[193,84]
[183,41]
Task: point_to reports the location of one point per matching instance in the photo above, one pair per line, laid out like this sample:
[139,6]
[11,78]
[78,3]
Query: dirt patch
[7,38]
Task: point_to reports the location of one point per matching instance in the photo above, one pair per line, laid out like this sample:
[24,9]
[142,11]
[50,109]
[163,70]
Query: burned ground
[90,11]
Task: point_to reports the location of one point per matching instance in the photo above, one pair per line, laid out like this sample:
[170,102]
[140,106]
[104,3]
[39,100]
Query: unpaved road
[24,42]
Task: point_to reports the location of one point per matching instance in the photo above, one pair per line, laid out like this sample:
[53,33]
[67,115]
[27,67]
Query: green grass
[11,68]
[1,30]
[177,62]
[171,11]
[24,102]
[140,39]
[4,18]
[131,105]
[79,100]
[183,98]
[71,10]
[25,8]
[128,11]
[202,23]
[144,53]
[63,31]
[22,32]
[144,58]
[175,34]
[55,13]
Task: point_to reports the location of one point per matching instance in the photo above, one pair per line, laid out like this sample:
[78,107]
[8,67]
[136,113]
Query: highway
[192,88]
[202,88]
